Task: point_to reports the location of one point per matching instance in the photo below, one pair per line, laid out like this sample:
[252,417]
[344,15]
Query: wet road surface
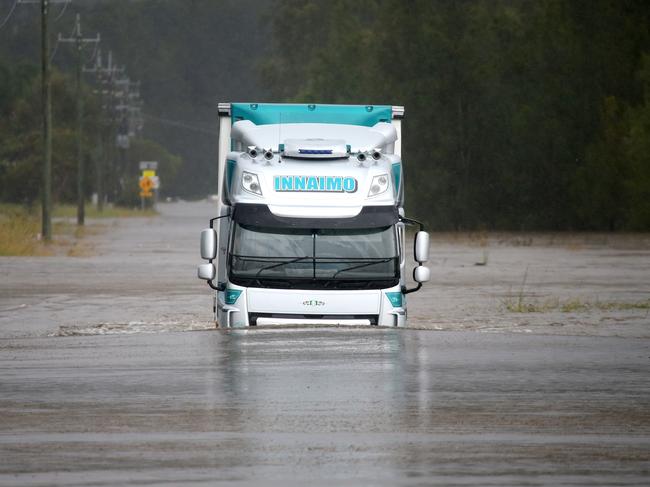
[324,407]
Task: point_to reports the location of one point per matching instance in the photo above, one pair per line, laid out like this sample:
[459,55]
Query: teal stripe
[395,299]
[232,295]
[230,170]
[397,174]
[274,113]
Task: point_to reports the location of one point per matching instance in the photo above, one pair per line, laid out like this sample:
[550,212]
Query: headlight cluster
[251,183]
[379,185]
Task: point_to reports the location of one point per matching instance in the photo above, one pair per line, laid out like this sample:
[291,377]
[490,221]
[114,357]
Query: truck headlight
[379,185]
[251,183]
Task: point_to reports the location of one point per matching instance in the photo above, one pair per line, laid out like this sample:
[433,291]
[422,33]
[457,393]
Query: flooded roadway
[110,373]
[324,407]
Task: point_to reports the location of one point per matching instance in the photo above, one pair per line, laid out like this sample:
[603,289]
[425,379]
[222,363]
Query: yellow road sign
[149,173]
[146,184]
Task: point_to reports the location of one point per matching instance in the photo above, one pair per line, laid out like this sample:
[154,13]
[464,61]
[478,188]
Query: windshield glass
[323,255]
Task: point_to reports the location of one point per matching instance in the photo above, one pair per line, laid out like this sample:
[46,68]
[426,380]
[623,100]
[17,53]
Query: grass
[574,305]
[20,229]
[521,304]
[20,232]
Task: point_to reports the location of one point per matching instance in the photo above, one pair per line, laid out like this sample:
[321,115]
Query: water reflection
[360,400]
[307,379]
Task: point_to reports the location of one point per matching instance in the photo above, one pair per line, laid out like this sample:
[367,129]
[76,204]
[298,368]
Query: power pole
[46,93]
[122,113]
[99,159]
[79,42]
[105,77]
[111,134]
[126,109]
[46,108]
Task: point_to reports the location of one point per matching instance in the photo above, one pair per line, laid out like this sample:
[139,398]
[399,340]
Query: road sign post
[146,185]
[148,181]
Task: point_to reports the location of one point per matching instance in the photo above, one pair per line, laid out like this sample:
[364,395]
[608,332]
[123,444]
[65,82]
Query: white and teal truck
[309,225]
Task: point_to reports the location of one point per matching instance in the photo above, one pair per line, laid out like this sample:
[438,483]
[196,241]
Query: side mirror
[421,273]
[421,250]
[207,272]
[208,244]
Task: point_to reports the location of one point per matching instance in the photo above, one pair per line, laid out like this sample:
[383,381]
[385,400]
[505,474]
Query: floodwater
[142,278]
[111,372]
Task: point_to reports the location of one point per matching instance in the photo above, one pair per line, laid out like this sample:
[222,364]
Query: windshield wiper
[280,264]
[365,264]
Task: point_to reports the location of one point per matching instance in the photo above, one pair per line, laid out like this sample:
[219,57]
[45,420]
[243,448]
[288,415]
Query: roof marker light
[314,151]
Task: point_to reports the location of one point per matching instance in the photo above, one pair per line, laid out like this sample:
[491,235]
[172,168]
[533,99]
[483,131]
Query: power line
[11,12]
[174,123]
[65,6]
[79,42]
[58,41]
[54,51]
[94,54]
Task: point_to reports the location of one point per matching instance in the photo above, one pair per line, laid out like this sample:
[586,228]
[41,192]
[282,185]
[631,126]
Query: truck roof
[282,113]
[358,138]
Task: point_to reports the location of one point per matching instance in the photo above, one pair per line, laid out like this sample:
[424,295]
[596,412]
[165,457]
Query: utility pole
[79,42]
[103,169]
[46,93]
[126,109]
[111,134]
[99,159]
[122,112]
[46,109]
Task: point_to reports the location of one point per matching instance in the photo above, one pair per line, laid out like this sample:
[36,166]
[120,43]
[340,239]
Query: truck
[309,225]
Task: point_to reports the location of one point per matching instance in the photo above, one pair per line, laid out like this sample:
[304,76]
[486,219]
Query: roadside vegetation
[521,304]
[19,232]
[21,147]
[529,115]
[20,229]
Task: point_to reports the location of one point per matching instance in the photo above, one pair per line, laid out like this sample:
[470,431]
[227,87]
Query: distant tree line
[526,114]
[520,114]
[188,55]
[21,142]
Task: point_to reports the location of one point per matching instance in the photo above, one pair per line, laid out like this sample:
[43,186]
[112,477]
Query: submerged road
[111,373]
[325,407]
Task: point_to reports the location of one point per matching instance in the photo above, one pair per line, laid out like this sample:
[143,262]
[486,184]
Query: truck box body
[309,225]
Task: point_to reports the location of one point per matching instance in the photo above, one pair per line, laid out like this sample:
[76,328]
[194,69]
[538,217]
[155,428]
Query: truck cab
[309,225]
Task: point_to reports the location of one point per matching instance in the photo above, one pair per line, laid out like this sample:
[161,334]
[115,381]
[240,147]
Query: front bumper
[240,307]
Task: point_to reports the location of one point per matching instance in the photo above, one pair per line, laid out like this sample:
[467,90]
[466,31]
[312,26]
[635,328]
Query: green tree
[637,148]
[503,123]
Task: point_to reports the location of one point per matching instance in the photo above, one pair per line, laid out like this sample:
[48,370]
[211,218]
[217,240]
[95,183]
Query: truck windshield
[323,258]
